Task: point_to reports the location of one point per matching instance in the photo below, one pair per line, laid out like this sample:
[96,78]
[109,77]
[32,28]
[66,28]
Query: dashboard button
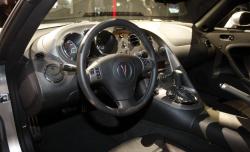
[95,74]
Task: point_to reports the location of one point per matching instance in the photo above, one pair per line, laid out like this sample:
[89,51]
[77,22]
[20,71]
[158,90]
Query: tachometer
[70,46]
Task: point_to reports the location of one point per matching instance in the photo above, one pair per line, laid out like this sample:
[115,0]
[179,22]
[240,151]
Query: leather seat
[149,143]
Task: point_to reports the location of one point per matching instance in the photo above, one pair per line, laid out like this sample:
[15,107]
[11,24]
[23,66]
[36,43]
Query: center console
[176,101]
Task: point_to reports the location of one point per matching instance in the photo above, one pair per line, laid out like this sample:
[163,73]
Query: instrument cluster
[109,41]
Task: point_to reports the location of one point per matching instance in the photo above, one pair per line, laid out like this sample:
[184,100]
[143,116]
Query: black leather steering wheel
[118,73]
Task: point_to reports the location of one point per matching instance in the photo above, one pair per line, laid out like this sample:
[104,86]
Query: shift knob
[178,74]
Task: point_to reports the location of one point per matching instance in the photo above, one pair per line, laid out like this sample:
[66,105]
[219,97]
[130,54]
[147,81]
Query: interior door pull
[226,37]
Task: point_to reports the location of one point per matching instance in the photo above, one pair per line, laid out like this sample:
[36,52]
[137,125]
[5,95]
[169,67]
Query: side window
[6,7]
[238,18]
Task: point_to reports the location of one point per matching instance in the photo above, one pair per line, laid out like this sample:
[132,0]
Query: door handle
[227,37]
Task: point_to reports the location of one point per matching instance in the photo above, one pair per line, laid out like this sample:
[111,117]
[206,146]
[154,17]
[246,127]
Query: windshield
[99,10]
[95,10]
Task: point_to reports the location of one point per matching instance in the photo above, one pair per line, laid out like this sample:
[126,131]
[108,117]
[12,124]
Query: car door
[230,45]
[8,134]
[15,35]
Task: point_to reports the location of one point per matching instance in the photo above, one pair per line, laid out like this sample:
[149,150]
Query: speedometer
[70,50]
[106,43]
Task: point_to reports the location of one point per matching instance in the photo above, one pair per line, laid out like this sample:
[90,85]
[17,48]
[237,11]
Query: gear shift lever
[178,93]
[178,78]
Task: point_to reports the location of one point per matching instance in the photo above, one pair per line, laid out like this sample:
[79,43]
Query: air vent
[133,39]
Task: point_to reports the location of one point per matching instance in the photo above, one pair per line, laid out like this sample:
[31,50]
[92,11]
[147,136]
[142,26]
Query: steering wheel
[118,73]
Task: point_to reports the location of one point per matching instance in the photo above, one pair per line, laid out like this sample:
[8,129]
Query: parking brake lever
[244,96]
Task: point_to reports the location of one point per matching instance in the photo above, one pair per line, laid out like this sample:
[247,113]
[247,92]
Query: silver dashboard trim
[7,116]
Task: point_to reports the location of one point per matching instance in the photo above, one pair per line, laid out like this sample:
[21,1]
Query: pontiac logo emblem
[124,71]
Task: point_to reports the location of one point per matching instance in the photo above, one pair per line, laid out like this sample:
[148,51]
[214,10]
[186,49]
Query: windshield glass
[97,10]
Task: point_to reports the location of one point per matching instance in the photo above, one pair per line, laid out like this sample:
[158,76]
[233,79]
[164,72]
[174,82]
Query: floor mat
[74,135]
[77,135]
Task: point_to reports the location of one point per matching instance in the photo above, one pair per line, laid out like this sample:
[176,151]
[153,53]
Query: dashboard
[45,80]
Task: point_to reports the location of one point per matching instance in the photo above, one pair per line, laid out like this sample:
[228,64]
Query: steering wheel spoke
[147,64]
[125,104]
[94,74]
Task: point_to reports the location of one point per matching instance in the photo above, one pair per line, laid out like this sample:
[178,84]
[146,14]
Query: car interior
[125,76]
